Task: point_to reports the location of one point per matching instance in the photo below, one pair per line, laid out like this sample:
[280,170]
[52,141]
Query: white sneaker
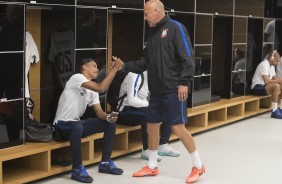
[165,150]
[145,155]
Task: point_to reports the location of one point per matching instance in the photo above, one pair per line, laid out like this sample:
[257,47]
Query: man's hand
[182,93]
[112,118]
[117,63]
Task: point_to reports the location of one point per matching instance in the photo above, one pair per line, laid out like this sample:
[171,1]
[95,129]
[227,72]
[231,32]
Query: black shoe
[110,168]
[276,114]
[80,174]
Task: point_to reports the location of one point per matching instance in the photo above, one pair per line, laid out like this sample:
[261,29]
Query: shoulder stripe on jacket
[183,37]
[135,84]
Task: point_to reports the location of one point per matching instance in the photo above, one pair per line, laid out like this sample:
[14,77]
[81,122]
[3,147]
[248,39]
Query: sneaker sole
[276,117]
[168,154]
[146,175]
[81,180]
[146,158]
[107,172]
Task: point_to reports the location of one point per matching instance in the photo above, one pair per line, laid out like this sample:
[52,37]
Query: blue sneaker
[276,114]
[80,174]
[110,168]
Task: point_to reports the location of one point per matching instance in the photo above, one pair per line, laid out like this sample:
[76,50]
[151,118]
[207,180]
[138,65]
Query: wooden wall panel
[33,25]
[35,96]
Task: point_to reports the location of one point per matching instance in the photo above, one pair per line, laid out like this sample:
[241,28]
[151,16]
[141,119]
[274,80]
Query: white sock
[281,104]
[196,159]
[274,106]
[153,159]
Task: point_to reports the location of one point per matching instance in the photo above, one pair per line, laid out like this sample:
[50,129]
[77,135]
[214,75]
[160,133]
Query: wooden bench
[32,161]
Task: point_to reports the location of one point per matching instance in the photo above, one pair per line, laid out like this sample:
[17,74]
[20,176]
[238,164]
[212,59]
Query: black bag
[38,132]
[114,88]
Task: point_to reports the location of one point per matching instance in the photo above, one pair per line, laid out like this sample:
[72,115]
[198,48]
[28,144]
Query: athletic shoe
[146,171]
[145,155]
[165,150]
[276,114]
[195,174]
[109,168]
[80,174]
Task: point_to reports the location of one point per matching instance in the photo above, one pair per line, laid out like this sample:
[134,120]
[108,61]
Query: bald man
[265,82]
[169,59]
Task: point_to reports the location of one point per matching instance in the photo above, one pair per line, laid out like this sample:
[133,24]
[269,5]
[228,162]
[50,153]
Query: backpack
[113,97]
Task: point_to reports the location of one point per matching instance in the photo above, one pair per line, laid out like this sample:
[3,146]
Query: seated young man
[265,82]
[133,111]
[79,92]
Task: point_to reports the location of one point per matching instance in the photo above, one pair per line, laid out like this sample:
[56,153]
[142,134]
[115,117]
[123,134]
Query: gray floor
[246,152]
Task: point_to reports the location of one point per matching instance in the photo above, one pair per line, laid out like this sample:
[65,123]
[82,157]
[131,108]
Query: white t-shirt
[31,56]
[263,68]
[74,99]
[130,86]
[279,69]
[62,55]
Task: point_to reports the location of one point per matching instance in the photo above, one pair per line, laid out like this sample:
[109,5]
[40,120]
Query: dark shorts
[167,108]
[132,116]
[259,90]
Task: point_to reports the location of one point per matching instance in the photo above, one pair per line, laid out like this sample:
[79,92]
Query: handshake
[117,63]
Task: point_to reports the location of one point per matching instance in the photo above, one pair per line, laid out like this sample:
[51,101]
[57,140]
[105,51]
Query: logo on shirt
[164,33]
[91,96]
[83,92]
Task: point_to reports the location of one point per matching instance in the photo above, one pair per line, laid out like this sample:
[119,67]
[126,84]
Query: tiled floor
[245,152]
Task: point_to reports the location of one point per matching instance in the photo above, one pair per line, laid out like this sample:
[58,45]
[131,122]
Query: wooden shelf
[22,175]
[234,112]
[32,161]
[134,138]
[195,129]
[59,169]
[135,147]
[233,118]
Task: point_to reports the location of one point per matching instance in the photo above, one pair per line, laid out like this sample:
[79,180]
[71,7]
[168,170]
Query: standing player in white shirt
[133,112]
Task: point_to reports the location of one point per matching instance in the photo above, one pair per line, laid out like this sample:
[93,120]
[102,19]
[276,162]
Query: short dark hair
[240,54]
[82,62]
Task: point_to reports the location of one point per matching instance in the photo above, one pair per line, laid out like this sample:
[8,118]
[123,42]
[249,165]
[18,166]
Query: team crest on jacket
[164,33]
